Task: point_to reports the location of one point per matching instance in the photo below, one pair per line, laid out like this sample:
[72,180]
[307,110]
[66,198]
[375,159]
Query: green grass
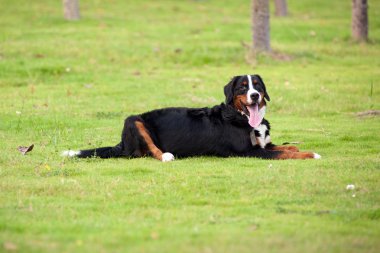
[73,83]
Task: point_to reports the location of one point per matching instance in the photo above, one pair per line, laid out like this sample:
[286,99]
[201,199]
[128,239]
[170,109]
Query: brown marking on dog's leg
[284,148]
[156,152]
[295,155]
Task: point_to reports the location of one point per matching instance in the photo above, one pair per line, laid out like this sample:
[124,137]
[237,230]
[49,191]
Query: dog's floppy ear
[229,90]
[266,95]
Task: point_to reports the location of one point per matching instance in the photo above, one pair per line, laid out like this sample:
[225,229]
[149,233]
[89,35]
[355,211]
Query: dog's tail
[104,152]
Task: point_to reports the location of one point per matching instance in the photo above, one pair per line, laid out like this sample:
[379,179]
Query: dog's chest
[260,136]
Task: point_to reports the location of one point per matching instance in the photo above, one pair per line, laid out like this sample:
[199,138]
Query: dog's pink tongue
[254,116]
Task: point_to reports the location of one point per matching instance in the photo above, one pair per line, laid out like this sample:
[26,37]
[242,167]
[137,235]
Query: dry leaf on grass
[25,150]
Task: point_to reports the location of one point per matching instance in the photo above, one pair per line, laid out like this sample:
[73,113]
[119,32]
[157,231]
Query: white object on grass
[70,153]
[167,157]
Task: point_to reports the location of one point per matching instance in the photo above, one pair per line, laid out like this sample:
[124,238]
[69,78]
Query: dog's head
[248,95]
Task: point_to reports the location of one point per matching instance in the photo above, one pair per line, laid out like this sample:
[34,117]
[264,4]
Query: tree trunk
[260,26]
[359,20]
[71,9]
[280,8]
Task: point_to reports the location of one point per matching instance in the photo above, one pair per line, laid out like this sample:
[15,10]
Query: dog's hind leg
[151,147]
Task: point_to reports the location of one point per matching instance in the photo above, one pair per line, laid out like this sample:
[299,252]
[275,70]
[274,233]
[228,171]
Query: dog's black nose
[255,96]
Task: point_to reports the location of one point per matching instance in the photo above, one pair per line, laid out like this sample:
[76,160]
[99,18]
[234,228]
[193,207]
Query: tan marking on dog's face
[238,100]
[262,102]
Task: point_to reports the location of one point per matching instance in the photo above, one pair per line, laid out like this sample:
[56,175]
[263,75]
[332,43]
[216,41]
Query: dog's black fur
[222,131]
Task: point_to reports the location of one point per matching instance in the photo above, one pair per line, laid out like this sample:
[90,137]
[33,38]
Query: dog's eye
[243,88]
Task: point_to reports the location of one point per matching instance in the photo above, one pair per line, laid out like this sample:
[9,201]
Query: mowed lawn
[69,85]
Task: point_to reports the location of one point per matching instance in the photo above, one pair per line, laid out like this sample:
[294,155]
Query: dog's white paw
[167,157]
[70,153]
[317,156]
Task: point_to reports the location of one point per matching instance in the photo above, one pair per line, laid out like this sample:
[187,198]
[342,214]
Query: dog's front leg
[279,155]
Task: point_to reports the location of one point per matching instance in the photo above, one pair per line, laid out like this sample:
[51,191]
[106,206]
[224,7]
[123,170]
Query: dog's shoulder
[223,113]
[215,111]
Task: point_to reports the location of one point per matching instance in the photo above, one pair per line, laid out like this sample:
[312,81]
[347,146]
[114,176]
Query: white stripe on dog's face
[251,91]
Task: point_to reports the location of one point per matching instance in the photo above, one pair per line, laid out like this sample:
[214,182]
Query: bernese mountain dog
[234,128]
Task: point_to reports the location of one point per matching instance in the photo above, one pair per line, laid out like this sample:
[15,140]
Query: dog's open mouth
[253,114]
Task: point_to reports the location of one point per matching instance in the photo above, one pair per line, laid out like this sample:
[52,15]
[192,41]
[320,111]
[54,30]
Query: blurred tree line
[261,20]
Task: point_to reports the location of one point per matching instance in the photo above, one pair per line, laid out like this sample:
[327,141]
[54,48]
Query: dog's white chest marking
[262,140]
